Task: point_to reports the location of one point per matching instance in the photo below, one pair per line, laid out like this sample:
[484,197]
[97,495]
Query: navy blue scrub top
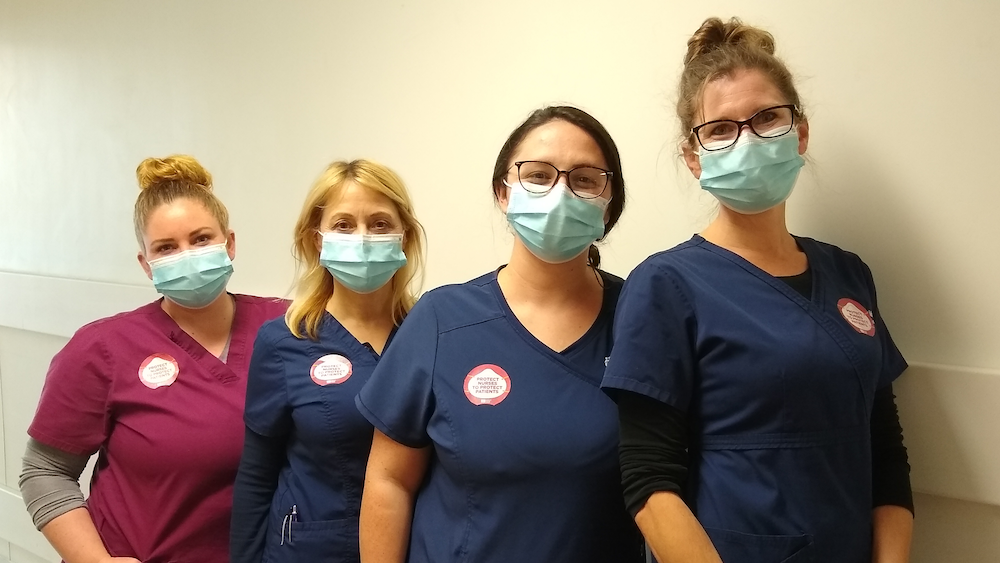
[525,443]
[305,390]
[778,391]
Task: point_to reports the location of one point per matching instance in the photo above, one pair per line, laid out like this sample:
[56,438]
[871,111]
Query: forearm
[891,534]
[74,536]
[672,531]
[386,514]
[253,491]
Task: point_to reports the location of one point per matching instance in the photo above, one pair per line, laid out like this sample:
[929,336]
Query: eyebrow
[755,112]
[198,231]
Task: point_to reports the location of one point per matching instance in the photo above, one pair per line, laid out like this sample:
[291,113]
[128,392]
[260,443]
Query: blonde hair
[718,49]
[314,284]
[163,180]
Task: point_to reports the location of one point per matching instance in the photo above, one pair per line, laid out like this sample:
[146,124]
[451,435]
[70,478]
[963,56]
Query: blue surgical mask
[555,226]
[363,263]
[753,175]
[193,278]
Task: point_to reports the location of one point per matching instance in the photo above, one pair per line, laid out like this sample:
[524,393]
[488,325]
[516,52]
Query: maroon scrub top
[167,418]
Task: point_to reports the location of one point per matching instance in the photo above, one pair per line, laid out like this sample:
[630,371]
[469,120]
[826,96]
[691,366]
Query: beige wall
[905,129]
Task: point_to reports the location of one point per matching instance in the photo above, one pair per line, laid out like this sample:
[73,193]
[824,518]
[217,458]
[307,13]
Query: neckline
[236,358]
[531,339]
[774,281]
[362,349]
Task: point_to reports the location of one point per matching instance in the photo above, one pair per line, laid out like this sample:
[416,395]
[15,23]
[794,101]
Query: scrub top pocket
[737,547]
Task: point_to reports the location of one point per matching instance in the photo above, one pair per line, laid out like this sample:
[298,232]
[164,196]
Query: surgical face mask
[555,226]
[193,278]
[753,175]
[363,263]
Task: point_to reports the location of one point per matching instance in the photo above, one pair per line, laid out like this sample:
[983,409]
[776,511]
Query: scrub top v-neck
[303,391]
[166,416]
[778,390]
[524,464]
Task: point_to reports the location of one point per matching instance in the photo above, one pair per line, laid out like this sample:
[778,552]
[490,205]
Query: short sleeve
[73,412]
[268,411]
[893,363]
[653,343]
[398,399]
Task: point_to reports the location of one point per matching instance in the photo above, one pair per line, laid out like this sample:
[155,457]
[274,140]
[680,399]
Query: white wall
[905,128]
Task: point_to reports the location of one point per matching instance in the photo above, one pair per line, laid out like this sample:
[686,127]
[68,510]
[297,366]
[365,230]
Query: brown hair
[592,127]
[314,284]
[163,180]
[717,50]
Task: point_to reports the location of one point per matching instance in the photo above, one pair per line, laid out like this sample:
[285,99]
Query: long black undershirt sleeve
[652,450]
[890,463]
[256,481]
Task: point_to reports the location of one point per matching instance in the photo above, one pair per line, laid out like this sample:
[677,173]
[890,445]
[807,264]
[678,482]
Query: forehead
[355,199]
[181,215]
[739,95]
[560,143]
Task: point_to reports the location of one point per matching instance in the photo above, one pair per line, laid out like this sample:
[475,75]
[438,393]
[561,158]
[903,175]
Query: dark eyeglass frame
[608,174]
[748,123]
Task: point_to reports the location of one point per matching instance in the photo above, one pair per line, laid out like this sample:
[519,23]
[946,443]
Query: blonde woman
[298,490]
[158,391]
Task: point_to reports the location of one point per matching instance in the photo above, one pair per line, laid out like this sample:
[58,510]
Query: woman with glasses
[493,440]
[751,367]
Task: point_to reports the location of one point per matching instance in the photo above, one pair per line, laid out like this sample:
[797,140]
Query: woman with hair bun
[752,369]
[158,392]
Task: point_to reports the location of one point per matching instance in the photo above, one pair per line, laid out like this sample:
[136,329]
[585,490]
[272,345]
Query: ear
[318,240]
[231,245]
[691,159]
[803,130]
[503,195]
[145,265]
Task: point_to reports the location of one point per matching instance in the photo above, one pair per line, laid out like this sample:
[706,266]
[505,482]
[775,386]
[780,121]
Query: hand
[121,560]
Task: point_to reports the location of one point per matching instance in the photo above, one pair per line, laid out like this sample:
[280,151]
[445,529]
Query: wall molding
[16,526]
[60,306]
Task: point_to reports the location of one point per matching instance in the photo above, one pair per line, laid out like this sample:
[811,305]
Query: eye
[343,226]
[721,130]
[381,225]
[203,239]
[766,117]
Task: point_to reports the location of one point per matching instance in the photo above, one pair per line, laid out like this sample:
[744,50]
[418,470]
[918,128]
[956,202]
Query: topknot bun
[714,34]
[179,168]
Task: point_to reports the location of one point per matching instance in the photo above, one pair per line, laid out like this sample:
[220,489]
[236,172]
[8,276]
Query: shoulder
[125,322]
[832,258]
[457,305]
[94,337]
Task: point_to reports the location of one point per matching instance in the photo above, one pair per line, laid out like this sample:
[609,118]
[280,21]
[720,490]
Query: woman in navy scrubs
[298,489]
[751,367]
[493,440]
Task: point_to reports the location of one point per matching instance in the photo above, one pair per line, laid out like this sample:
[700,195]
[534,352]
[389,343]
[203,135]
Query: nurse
[752,369]
[359,250]
[158,391]
[493,441]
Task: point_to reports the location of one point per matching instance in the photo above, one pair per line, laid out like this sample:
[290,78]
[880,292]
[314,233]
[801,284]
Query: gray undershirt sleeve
[50,482]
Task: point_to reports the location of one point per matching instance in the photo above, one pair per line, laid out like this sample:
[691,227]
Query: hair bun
[714,34]
[179,168]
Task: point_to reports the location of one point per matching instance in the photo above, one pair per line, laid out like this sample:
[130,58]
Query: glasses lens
[587,182]
[537,177]
[772,122]
[718,134]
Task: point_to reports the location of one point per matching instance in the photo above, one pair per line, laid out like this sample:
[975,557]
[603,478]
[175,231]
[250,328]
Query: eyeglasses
[766,123]
[586,182]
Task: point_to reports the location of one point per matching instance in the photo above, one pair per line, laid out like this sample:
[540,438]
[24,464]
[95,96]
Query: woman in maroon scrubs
[158,392]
